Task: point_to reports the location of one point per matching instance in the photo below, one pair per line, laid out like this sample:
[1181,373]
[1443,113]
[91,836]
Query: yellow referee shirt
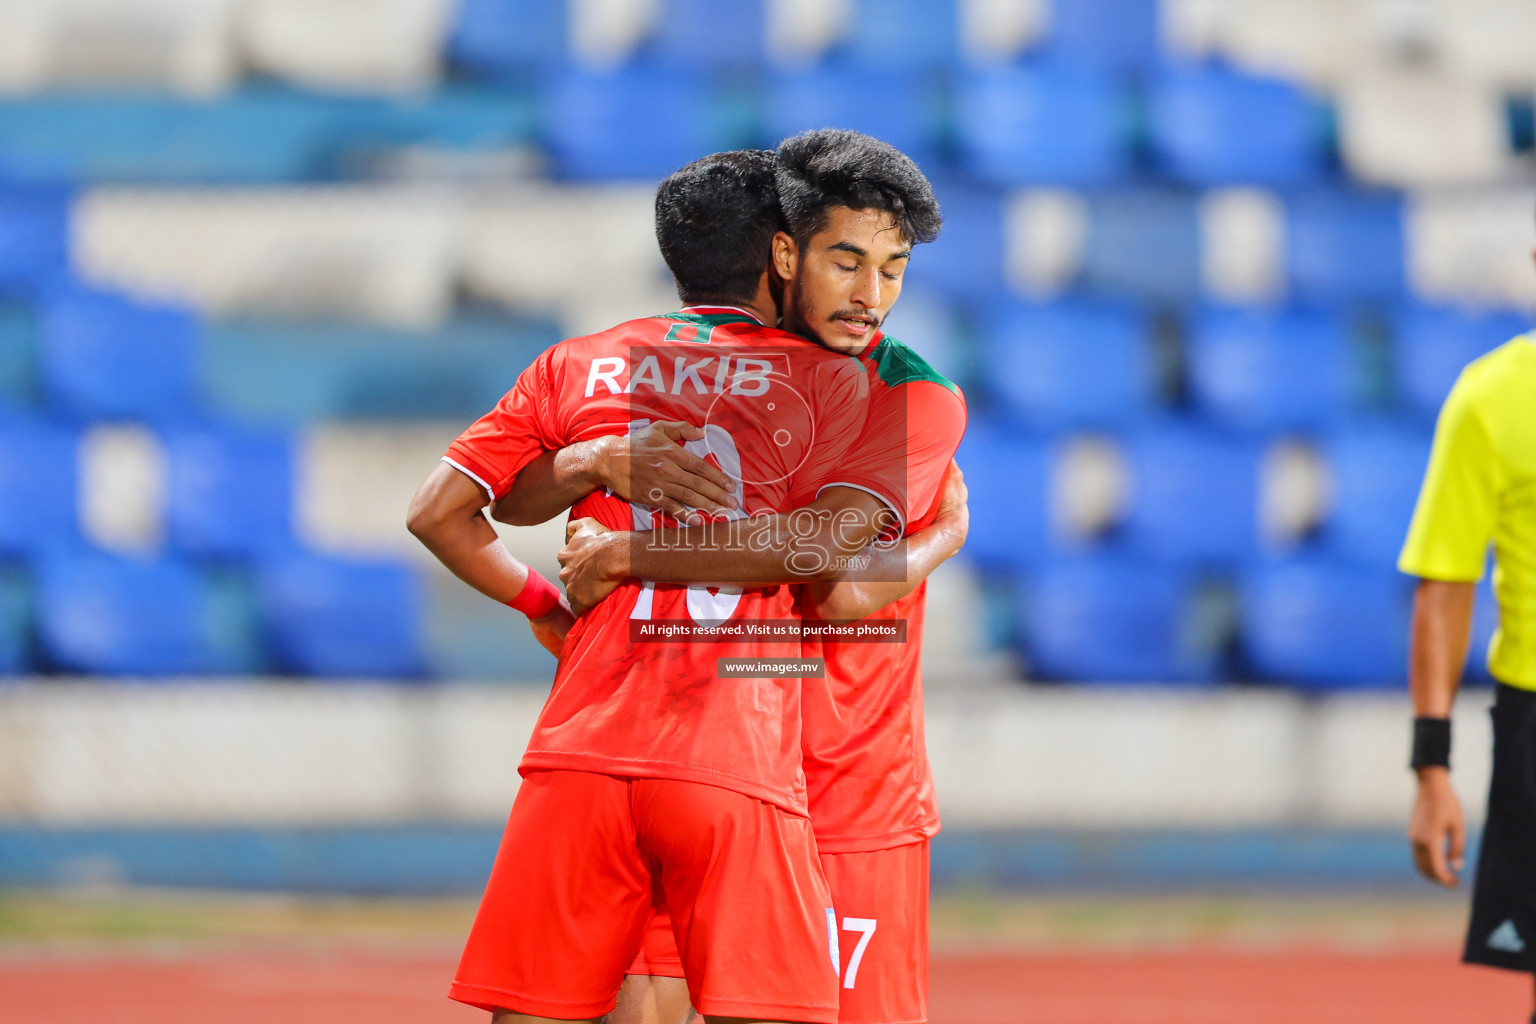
[1481,487]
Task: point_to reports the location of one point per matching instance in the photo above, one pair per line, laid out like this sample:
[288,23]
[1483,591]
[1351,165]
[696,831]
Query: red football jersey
[866,756]
[780,414]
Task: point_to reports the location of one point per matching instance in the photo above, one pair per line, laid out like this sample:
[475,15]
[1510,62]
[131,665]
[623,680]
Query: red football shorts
[658,956]
[584,859]
[881,898]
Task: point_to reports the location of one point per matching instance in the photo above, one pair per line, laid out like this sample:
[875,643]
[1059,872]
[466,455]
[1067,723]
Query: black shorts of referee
[1502,932]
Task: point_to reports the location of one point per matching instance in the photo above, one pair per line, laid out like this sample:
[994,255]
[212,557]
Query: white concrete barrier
[271,753]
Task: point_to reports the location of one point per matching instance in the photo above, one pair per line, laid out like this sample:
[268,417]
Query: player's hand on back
[651,467]
[587,566]
[549,630]
[1437,829]
[953,501]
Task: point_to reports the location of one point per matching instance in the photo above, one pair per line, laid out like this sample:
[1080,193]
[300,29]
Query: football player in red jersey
[871,795]
[647,782]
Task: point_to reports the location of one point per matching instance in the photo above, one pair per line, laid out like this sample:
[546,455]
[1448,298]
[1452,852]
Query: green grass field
[33,920]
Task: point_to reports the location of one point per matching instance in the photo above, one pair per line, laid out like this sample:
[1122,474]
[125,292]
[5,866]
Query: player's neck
[713,307]
[763,304]
[765,313]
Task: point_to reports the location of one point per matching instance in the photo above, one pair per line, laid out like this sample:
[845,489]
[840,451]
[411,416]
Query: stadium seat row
[1094,618]
[90,613]
[229,491]
[1182,492]
[259,134]
[87,356]
[1018,125]
[1183,496]
[201,46]
[1319,623]
[1320,42]
[1052,124]
[1076,365]
[401,44]
[399,256]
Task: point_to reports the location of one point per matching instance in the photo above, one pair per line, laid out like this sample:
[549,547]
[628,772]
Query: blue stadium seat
[334,617]
[456,117]
[1210,126]
[1070,364]
[39,493]
[232,621]
[968,257]
[909,35]
[1326,625]
[1376,469]
[1042,124]
[106,357]
[1435,344]
[261,134]
[18,352]
[508,38]
[294,373]
[1345,246]
[835,96]
[1262,370]
[34,235]
[711,34]
[1106,35]
[1194,495]
[1144,244]
[636,123]
[1008,476]
[115,616]
[15,623]
[229,493]
[1112,621]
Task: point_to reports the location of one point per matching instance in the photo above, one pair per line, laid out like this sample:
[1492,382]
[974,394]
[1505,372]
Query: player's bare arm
[649,466]
[1442,625]
[815,541]
[446,514]
[883,574]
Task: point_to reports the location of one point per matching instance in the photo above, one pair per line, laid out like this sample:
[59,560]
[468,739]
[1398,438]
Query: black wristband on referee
[1431,743]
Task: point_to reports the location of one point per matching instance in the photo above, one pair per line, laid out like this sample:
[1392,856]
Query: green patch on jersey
[896,364]
[689,332]
[697,328]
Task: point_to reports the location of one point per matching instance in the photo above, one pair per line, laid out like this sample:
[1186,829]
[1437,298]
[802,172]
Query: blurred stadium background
[1209,267]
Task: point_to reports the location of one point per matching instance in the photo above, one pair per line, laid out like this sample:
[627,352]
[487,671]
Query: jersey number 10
[706,606]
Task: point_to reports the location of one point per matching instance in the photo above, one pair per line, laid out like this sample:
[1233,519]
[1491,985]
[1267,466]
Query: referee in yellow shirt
[1480,488]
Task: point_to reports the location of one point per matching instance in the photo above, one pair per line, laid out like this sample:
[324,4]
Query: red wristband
[538,597]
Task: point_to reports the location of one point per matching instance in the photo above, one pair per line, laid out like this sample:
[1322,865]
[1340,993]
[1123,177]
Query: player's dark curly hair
[715,219]
[830,167]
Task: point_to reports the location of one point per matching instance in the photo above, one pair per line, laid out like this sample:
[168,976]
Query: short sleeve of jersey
[523,425]
[1454,519]
[913,431]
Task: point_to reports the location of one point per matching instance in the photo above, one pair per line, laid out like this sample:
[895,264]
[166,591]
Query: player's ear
[786,256]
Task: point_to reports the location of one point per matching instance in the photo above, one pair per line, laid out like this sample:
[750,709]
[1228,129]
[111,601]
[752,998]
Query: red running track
[1181,987]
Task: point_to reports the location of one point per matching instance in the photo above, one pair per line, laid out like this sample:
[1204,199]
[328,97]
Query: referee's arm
[1446,549]
[1442,622]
